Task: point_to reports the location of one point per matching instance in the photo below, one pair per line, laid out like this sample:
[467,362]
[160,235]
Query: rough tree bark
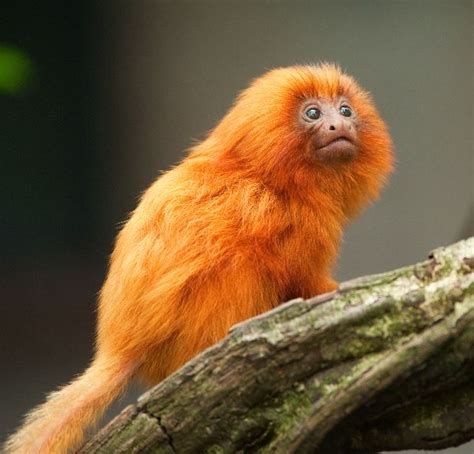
[384,363]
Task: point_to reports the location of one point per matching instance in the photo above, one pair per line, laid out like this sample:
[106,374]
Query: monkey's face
[331,125]
[300,124]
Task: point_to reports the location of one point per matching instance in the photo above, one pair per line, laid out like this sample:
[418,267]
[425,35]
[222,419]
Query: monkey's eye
[313,113]
[346,111]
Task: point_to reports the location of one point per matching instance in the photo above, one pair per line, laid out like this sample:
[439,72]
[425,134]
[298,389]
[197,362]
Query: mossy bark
[384,363]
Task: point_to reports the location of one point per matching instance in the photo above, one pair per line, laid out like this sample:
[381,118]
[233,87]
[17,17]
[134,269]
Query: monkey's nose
[332,128]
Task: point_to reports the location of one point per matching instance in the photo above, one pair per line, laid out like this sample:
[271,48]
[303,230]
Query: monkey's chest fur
[296,247]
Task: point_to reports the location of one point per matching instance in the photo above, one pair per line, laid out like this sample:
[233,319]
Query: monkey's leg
[221,300]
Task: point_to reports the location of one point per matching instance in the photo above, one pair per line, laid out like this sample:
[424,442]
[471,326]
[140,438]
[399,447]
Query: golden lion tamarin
[251,218]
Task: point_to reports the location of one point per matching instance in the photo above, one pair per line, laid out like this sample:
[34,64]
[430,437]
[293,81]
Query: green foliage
[16,71]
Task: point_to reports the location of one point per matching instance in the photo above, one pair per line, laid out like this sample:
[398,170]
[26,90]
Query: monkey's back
[194,237]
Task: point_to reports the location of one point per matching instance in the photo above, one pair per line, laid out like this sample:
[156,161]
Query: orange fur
[249,219]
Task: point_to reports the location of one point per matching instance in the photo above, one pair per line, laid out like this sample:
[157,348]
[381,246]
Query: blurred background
[96,98]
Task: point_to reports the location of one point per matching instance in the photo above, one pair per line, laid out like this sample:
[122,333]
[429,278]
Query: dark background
[119,90]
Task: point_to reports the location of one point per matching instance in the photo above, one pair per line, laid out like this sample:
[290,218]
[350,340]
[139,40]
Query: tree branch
[384,363]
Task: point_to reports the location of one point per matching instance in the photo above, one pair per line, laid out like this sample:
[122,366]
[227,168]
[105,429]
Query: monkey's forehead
[322,80]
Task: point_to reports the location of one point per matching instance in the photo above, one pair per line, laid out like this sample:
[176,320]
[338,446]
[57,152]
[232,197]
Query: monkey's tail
[58,425]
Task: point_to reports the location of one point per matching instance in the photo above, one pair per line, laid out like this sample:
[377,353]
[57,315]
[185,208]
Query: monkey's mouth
[340,141]
[341,147]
